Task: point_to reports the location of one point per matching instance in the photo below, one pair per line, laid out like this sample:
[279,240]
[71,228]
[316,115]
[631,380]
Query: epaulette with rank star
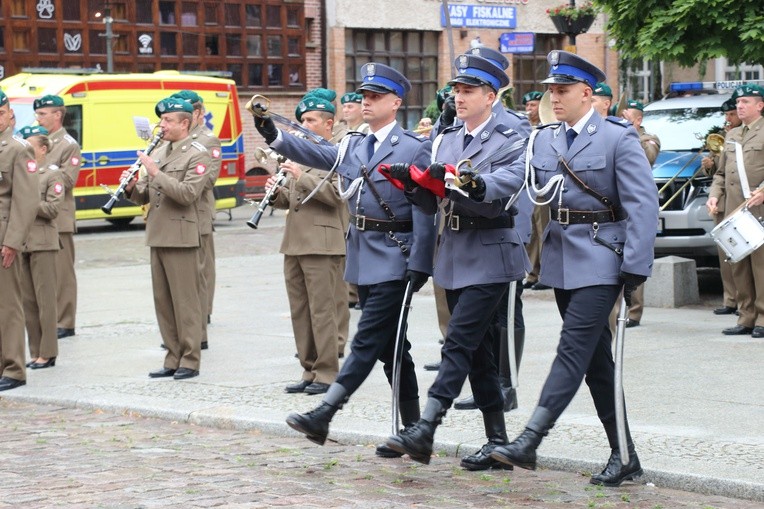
[516,114]
[198,146]
[417,137]
[544,126]
[618,121]
[506,131]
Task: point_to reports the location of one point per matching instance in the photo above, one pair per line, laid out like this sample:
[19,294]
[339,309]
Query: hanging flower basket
[572,26]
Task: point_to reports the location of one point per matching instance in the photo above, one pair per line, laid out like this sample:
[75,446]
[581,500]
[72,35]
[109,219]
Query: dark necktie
[570,135]
[745,130]
[371,140]
[467,140]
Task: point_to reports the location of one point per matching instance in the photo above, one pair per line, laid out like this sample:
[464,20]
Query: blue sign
[516,42]
[480,16]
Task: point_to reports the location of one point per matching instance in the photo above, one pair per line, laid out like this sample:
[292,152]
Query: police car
[683,121]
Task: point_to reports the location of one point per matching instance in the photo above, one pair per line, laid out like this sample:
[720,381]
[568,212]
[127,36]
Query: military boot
[409,411]
[615,471]
[416,440]
[315,424]
[521,452]
[496,433]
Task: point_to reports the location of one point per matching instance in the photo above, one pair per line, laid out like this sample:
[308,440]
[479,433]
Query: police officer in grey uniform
[604,213]
[389,242]
[480,252]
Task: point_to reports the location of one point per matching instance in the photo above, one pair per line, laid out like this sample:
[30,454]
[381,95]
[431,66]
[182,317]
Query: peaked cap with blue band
[494,56]
[477,71]
[382,79]
[568,68]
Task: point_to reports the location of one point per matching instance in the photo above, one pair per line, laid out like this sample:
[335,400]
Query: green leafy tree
[687,31]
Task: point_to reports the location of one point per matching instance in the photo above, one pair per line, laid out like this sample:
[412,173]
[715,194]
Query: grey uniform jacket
[468,257]
[608,157]
[374,257]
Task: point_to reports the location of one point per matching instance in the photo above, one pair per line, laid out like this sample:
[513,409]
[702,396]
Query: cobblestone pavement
[63,457]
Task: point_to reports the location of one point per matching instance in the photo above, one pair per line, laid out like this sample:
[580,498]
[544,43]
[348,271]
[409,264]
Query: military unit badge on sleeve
[200,169]
[216,153]
[31,166]
[58,188]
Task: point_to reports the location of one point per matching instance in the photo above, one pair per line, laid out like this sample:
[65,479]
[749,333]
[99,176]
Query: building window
[167,13]
[71,11]
[261,42]
[530,69]
[413,53]
[46,40]
[143,11]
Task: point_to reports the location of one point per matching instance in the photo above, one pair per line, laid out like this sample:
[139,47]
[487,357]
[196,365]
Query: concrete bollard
[674,283]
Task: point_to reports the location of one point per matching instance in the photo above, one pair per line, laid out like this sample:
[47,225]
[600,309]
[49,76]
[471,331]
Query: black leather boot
[315,424]
[409,416]
[522,451]
[496,433]
[616,472]
[416,440]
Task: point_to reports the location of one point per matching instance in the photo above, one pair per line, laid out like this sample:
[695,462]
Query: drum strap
[744,185]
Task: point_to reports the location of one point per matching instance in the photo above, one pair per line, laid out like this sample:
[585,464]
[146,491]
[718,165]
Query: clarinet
[280,179]
[136,166]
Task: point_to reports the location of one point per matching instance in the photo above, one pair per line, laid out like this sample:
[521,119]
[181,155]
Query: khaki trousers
[38,288]
[343,311]
[177,304]
[12,364]
[314,316]
[539,220]
[66,282]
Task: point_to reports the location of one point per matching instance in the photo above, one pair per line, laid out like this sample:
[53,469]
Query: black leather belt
[456,222]
[365,223]
[567,216]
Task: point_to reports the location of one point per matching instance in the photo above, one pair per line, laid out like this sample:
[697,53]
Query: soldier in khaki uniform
[38,261]
[50,112]
[749,272]
[19,197]
[314,249]
[172,187]
[200,133]
[710,164]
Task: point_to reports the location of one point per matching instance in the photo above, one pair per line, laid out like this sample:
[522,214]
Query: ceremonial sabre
[511,335]
[620,411]
[398,355]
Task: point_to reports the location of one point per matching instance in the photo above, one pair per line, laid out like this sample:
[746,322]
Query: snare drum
[739,235]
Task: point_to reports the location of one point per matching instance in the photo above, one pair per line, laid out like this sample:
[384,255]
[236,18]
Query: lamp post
[108,20]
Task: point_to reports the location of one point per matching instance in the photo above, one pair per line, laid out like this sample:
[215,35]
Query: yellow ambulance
[100,111]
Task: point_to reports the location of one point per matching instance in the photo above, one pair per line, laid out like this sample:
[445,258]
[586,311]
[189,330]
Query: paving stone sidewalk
[63,457]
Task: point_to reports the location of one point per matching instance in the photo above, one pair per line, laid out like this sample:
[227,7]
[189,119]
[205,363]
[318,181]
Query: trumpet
[714,143]
[116,195]
[262,156]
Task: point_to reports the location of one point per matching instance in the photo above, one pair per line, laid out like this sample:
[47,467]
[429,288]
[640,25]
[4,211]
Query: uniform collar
[479,128]
[383,133]
[750,126]
[578,126]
